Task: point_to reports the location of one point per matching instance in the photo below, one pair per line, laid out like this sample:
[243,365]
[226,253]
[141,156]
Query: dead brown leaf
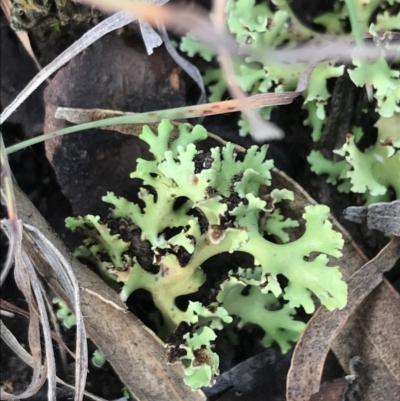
[373,334]
[321,331]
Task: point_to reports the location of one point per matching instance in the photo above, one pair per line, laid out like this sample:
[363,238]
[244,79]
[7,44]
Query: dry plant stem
[108,25]
[136,354]
[310,353]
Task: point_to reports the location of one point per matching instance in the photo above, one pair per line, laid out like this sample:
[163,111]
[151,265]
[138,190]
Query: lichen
[211,201]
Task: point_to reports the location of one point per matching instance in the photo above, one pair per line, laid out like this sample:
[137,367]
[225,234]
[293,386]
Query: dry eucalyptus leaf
[373,333]
[322,330]
[383,216]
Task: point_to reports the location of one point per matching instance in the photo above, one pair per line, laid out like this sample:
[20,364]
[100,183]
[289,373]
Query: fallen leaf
[373,334]
[323,328]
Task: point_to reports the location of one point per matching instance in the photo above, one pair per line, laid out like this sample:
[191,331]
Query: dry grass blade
[7,195]
[311,350]
[71,286]
[24,271]
[44,320]
[150,37]
[202,110]
[21,352]
[22,279]
[8,307]
[13,343]
[97,118]
[27,280]
[186,65]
